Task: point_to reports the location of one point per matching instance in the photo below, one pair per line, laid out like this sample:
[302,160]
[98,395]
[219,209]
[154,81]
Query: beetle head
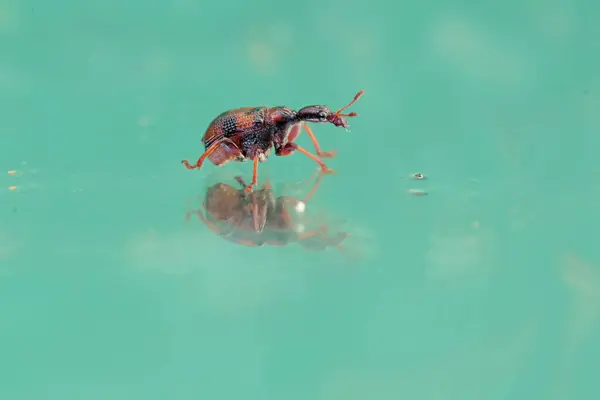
[324,113]
[314,114]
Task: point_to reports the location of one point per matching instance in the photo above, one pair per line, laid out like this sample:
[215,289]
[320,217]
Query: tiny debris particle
[418,176]
[12,188]
[12,172]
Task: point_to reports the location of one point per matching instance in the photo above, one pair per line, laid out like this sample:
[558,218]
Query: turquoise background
[487,288]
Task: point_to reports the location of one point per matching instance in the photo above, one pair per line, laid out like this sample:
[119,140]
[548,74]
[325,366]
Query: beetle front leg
[313,138]
[295,132]
[291,147]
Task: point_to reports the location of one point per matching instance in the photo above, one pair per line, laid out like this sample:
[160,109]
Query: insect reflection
[261,218]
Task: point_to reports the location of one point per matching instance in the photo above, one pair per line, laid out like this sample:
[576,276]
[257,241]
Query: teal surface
[487,288]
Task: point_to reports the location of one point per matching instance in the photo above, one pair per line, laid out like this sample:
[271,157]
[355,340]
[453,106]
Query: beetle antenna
[352,114]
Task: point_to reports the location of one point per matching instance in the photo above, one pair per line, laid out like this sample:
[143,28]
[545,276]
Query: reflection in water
[264,217]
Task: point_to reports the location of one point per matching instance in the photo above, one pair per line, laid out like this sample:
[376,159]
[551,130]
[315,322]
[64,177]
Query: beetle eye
[322,116]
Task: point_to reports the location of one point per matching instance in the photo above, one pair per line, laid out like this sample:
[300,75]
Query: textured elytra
[229,130]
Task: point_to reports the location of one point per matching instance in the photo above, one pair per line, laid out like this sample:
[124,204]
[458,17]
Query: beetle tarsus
[187,164]
[324,168]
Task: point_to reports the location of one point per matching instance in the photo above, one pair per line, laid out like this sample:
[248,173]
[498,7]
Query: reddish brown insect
[259,218]
[249,133]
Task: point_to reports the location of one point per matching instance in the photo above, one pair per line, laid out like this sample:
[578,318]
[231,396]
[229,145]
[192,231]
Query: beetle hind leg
[203,157]
[218,153]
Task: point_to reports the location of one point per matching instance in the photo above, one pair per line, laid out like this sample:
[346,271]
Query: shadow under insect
[262,217]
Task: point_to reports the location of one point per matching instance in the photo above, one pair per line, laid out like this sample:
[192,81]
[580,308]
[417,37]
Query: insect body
[250,133]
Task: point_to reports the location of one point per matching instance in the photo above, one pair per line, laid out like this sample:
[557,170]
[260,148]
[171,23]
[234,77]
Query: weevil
[250,133]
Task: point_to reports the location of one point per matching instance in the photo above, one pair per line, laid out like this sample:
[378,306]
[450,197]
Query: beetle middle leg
[254,175]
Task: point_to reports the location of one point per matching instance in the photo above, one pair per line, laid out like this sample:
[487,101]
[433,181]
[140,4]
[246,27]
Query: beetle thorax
[279,116]
[281,119]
